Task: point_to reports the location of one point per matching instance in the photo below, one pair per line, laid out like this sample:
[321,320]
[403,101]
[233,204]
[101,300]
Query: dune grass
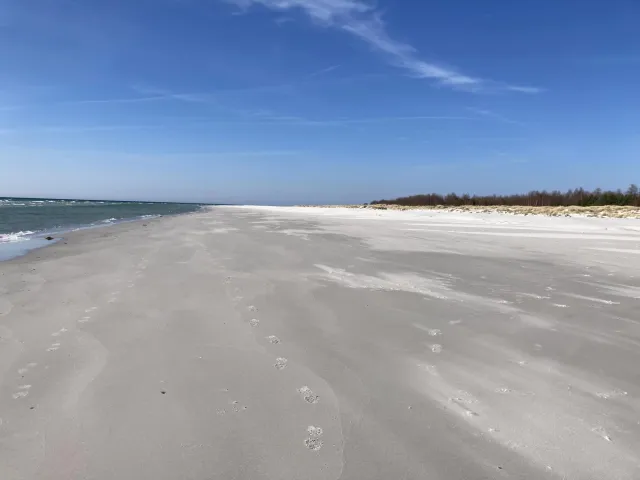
[603,211]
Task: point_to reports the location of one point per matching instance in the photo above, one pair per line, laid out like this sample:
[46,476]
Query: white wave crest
[15,237]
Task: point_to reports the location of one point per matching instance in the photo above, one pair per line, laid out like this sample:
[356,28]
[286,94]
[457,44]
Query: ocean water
[24,222]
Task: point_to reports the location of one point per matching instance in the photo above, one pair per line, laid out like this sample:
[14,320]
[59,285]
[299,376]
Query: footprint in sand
[24,370]
[314,441]
[601,432]
[503,390]
[430,369]
[464,400]
[254,322]
[273,339]
[59,332]
[538,297]
[465,397]
[308,395]
[23,392]
[612,394]
[281,363]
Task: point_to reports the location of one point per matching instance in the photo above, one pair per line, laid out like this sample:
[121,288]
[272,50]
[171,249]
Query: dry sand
[309,343]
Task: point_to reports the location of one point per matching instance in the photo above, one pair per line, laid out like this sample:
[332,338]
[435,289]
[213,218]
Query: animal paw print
[281,363]
[308,395]
[314,441]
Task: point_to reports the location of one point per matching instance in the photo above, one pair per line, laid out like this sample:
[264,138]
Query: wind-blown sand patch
[553,414]
[439,288]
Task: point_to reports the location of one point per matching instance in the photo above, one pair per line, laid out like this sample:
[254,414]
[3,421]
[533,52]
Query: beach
[25,223]
[324,343]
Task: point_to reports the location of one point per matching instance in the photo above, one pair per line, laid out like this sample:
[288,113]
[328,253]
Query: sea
[25,222]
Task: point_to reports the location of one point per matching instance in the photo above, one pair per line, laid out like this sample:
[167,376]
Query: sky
[316,101]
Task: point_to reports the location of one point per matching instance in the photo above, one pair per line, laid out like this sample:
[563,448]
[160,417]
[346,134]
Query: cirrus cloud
[362,20]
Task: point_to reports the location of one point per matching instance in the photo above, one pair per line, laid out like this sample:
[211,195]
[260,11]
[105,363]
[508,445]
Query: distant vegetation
[579,197]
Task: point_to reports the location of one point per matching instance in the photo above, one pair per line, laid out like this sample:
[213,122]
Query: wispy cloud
[77,128]
[163,156]
[275,120]
[282,20]
[493,115]
[150,94]
[610,60]
[153,98]
[492,139]
[154,92]
[364,21]
[523,89]
[254,153]
[373,120]
[323,71]
[262,119]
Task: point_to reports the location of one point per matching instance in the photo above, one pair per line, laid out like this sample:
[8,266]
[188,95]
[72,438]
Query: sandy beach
[310,343]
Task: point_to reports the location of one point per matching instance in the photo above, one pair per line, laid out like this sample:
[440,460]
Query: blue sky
[292,101]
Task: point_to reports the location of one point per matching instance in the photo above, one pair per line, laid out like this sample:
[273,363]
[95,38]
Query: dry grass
[605,211]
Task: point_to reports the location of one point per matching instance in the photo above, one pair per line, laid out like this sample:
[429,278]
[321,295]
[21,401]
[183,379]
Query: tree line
[544,198]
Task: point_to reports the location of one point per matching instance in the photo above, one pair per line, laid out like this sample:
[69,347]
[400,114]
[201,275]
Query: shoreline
[67,241]
[19,249]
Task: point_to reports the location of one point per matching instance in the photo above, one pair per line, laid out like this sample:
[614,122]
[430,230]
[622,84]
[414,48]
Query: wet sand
[301,343]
